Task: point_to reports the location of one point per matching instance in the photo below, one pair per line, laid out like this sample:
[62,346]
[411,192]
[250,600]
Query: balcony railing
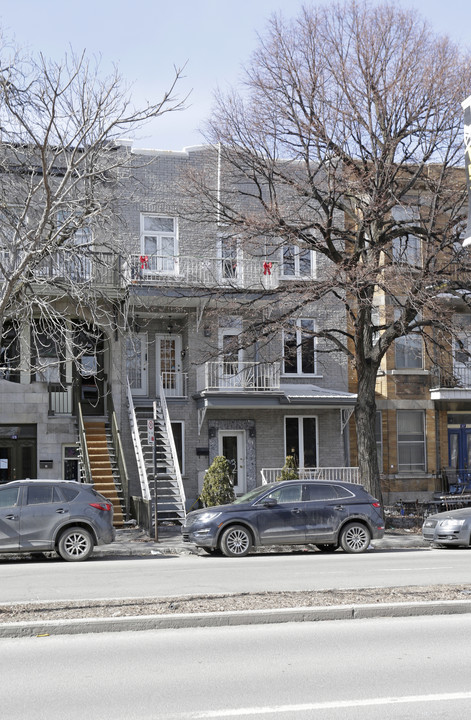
[255,274]
[329,474]
[103,269]
[175,384]
[459,377]
[240,376]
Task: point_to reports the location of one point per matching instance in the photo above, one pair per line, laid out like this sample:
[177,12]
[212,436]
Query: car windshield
[254,494]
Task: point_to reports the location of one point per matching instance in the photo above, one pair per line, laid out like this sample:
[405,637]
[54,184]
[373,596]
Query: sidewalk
[134,542]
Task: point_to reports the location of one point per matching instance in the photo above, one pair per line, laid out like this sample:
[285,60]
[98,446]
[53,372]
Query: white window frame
[157,263]
[406,249]
[297,252]
[407,467]
[298,331]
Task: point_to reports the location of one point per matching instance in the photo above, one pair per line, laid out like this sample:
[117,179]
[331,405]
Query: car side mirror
[271,502]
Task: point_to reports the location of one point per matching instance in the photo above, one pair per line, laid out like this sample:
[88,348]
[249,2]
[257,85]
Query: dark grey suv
[41,515]
[295,512]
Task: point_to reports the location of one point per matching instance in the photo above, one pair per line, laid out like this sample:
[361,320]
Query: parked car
[41,515]
[294,512]
[451,528]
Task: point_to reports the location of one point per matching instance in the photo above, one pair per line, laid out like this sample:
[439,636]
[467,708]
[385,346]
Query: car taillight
[376,504]
[101,506]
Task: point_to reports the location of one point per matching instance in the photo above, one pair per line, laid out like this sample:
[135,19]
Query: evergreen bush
[218,486]
[289,471]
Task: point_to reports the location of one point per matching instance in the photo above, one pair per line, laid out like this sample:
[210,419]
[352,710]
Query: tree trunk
[365,420]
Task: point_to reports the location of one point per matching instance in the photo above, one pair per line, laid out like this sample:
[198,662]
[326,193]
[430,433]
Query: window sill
[407,371]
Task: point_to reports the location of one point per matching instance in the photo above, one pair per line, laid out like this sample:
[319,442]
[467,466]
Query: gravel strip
[69,610]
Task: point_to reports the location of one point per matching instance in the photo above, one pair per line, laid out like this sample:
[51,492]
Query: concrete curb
[46,628]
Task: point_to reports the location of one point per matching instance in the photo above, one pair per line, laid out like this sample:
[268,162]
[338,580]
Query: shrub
[217,486]
[289,471]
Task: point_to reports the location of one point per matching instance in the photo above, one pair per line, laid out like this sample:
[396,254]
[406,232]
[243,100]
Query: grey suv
[41,515]
[295,512]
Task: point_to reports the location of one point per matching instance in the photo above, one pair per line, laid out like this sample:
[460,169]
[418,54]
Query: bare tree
[346,139]
[62,163]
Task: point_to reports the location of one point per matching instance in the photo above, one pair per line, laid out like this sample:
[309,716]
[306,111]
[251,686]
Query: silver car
[38,516]
[451,528]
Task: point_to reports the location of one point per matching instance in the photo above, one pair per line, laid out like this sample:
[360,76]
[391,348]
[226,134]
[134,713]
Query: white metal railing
[251,376]
[330,474]
[207,272]
[174,384]
[141,466]
[173,449]
[460,377]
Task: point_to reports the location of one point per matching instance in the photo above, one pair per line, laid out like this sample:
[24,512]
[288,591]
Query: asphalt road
[165,576]
[367,669]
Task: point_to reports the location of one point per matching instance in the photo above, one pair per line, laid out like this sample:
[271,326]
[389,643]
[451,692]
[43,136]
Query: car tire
[355,538]
[75,544]
[327,547]
[236,541]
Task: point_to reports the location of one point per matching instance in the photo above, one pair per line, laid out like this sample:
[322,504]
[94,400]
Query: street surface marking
[332,705]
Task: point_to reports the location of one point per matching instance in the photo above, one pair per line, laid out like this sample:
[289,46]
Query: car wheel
[355,538]
[236,541]
[75,544]
[327,547]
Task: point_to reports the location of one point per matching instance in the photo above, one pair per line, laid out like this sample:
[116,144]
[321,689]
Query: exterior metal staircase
[103,467]
[160,477]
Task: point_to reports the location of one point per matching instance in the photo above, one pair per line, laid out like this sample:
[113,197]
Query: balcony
[102,269]
[447,384]
[253,274]
[222,376]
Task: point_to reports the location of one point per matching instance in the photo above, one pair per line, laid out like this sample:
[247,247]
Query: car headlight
[451,523]
[207,516]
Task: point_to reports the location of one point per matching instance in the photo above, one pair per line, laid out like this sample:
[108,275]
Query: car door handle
[295,511]
[339,507]
[61,511]
[11,517]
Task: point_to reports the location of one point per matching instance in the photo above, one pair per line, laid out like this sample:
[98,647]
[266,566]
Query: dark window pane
[310,450]
[8,497]
[39,494]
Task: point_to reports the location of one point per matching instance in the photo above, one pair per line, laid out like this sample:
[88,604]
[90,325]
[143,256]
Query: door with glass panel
[169,353]
[159,245]
[231,375]
[301,441]
[459,453]
[136,363]
[232,447]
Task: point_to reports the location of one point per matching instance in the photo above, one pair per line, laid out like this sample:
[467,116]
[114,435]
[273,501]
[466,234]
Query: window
[229,258]
[46,356]
[71,462]
[8,497]
[408,350]
[159,244]
[286,494]
[406,248]
[73,258]
[301,440]
[296,262]
[299,348]
[40,494]
[411,441]
[10,353]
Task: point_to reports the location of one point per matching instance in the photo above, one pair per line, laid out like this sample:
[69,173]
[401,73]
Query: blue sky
[146,38]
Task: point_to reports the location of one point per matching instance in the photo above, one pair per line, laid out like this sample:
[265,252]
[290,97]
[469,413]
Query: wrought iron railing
[458,377]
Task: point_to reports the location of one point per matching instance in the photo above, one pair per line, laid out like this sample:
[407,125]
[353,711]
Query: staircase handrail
[83,445]
[118,448]
[141,467]
[173,449]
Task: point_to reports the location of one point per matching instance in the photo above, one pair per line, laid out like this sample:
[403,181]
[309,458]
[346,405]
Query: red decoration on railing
[267,268]
[144,260]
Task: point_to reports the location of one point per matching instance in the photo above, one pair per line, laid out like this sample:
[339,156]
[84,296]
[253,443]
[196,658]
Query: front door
[136,363]
[459,452]
[17,459]
[169,353]
[232,447]
[230,364]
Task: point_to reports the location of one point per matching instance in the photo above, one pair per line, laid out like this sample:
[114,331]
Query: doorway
[459,452]
[17,459]
[169,353]
[232,447]
[136,363]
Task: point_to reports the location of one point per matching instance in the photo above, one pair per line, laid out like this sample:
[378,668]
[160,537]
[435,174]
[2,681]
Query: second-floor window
[296,262]
[299,349]
[406,248]
[229,254]
[159,243]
